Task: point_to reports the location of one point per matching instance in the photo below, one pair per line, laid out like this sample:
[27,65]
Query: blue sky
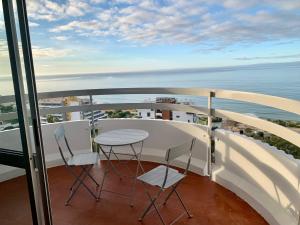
[75,36]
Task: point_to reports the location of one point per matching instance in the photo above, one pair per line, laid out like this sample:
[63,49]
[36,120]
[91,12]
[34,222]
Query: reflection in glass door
[24,197]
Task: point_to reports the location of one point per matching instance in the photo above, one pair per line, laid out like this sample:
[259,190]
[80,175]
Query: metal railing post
[93,121]
[209,133]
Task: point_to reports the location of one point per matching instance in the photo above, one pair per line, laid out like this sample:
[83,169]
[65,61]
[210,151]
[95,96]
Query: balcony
[234,179]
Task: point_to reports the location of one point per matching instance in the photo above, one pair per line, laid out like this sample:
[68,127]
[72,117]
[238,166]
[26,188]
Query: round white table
[117,138]
[121,137]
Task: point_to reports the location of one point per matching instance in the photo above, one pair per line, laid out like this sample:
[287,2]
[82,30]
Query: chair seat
[156,176]
[84,159]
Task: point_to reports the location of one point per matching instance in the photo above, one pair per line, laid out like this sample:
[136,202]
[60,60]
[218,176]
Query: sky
[98,36]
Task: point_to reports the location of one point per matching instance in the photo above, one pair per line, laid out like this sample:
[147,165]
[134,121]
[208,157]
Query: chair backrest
[62,142]
[175,152]
[179,150]
[59,133]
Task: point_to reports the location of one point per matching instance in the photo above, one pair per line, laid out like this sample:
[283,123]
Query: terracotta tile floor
[208,202]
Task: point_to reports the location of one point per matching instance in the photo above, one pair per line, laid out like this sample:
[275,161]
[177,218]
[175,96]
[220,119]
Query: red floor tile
[208,202]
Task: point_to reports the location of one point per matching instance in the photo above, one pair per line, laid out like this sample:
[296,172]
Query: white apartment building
[176,115]
[146,113]
[167,114]
[184,116]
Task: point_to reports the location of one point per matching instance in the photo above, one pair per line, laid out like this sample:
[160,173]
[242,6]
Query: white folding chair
[85,161]
[164,177]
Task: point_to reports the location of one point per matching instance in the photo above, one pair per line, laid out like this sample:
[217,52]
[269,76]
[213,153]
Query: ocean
[273,79]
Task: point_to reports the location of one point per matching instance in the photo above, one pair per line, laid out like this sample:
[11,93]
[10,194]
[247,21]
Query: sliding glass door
[24,196]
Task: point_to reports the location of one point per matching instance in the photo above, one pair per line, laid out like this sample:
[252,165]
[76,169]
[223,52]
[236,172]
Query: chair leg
[84,185]
[79,181]
[148,207]
[76,184]
[160,216]
[146,211]
[134,186]
[152,203]
[106,171]
[72,193]
[187,212]
[138,168]
[119,162]
[109,161]
[138,156]
[102,182]
[180,199]
[90,176]
[169,195]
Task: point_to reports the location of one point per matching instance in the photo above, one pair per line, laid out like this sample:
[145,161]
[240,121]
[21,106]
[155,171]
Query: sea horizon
[277,79]
[204,69]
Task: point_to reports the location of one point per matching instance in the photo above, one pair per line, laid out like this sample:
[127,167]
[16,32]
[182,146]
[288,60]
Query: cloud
[238,4]
[37,51]
[285,4]
[51,11]
[98,1]
[269,57]
[78,26]
[32,24]
[61,38]
[198,22]
[276,4]
[50,52]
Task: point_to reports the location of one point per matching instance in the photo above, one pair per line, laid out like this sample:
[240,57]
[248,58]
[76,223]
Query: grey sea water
[273,79]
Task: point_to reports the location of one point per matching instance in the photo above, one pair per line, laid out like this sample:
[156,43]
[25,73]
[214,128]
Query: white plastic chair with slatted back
[164,177]
[85,161]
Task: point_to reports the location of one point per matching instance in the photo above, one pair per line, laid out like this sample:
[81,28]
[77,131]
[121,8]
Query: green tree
[120,114]
[7,109]
[52,119]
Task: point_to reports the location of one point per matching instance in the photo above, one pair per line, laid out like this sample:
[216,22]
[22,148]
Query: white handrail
[278,130]
[289,105]
[285,104]
[121,106]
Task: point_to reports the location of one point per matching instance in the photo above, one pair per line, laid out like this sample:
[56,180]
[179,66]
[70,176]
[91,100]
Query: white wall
[268,179]
[78,134]
[11,139]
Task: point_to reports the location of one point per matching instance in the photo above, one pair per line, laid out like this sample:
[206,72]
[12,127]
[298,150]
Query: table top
[121,137]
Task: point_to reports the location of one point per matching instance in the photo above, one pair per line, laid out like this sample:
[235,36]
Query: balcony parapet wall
[264,177]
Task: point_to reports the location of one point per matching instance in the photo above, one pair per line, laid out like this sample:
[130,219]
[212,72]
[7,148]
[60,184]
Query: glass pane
[14,198]
[7,107]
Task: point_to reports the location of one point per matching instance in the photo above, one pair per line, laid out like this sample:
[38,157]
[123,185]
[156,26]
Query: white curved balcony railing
[289,105]
[268,179]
